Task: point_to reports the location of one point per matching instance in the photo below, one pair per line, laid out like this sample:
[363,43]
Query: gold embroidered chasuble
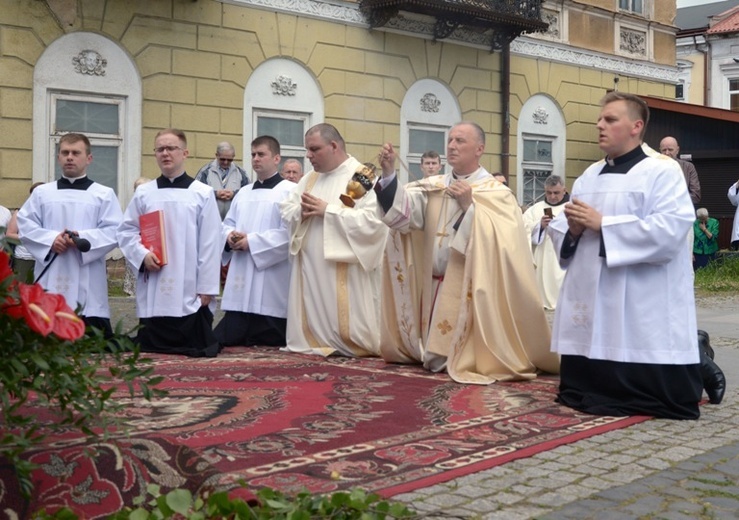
[485,318]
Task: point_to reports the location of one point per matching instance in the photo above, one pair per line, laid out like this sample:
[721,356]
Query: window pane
[734,84]
[544,151]
[86,117]
[421,141]
[537,151]
[103,168]
[414,172]
[533,185]
[288,132]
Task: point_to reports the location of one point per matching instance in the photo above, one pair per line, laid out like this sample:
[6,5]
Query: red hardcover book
[153,235]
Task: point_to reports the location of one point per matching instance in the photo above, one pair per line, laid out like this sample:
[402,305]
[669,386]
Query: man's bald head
[668,146]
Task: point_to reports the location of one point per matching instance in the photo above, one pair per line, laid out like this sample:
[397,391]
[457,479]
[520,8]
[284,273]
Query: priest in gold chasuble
[459,289]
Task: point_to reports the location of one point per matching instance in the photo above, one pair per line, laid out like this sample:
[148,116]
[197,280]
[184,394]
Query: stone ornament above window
[551,18]
[284,86]
[633,42]
[540,116]
[90,62]
[430,103]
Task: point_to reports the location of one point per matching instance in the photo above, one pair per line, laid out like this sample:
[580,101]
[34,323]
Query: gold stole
[342,287]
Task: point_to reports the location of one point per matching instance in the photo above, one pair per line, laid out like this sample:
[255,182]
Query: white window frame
[54,75]
[536,165]
[261,98]
[413,116]
[542,119]
[631,9]
[415,158]
[287,151]
[102,140]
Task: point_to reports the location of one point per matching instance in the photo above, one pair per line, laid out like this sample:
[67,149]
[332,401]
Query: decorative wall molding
[633,42]
[540,116]
[330,11]
[552,18]
[583,58]
[430,103]
[349,13]
[89,62]
[283,86]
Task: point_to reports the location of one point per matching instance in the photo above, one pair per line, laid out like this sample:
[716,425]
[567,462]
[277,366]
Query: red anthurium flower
[5,270]
[34,307]
[67,325]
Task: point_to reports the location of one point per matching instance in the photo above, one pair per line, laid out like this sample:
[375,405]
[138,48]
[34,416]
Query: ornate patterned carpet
[290,422]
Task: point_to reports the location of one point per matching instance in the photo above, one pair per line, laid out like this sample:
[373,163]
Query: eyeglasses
[223,159]
[169,149]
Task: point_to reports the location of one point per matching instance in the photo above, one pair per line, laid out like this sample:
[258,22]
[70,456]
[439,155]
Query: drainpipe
[505,104]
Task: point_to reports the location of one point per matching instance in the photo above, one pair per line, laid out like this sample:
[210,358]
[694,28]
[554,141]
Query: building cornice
[422,27]
[583,58]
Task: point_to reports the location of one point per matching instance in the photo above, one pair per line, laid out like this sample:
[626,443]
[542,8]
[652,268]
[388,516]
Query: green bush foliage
[73,379]
[719,276]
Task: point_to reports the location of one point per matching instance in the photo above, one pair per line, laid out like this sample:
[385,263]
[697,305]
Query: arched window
[428,111]
[85,83]
[541,146]
[282,99]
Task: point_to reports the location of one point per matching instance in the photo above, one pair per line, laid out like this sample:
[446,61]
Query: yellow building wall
[195,59]
[578,91]
[591,32]
[664,48]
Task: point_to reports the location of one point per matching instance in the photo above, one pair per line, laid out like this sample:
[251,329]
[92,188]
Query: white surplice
[192,227]
[636,305]
[336,268]
[95,214]
[258,279]
[549,274]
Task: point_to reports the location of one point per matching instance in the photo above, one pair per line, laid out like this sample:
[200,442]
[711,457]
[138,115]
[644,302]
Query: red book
[152,234]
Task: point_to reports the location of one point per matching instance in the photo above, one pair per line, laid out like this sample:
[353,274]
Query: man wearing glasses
[224,176]
[175,301]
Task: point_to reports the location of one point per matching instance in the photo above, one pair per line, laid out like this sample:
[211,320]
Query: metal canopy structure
[505,20]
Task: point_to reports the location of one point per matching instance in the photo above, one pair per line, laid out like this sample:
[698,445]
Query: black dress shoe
[705,343]
[714,381]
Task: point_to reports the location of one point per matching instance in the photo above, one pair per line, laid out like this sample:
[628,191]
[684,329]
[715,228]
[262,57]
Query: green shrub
[47,361]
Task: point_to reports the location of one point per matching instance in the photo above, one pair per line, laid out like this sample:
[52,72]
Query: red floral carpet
[290,422]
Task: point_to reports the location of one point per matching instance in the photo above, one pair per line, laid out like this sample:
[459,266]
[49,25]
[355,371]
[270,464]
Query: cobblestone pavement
[658,469]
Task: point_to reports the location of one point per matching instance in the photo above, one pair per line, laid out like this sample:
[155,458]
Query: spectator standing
[705,243]
[55,220]
[549,274]
[430,163]
[175,302]
[292,170]
[224,176]
[669,147]
[625,325]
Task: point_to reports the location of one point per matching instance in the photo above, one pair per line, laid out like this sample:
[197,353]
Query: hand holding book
[153,238]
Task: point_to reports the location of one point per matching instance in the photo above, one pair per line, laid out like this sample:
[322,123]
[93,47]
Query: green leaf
[179,500]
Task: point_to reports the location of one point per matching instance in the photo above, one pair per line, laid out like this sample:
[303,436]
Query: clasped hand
[580,217]
[312,206]
[238,241]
